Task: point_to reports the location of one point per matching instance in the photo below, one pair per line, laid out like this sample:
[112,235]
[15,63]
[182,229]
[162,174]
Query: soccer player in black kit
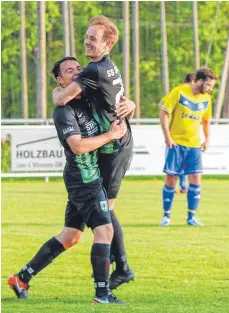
[87,201]
[101,84]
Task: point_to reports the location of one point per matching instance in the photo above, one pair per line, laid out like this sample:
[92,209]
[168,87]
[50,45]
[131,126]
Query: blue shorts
[183,160]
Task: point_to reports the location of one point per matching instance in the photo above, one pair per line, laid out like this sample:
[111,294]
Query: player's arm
[167,106]
[81,145]
[164,120]
[61,96]
[206,123]
[86,81]
[206,130]
[125,108]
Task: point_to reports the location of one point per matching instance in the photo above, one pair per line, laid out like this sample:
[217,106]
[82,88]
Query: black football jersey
[76,118]
[102,85]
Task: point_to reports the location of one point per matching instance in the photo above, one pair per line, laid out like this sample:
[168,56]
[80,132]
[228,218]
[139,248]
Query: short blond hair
[111,31]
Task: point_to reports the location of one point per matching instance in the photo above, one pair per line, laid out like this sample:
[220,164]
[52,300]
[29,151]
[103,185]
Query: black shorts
[93,212]
[113,168]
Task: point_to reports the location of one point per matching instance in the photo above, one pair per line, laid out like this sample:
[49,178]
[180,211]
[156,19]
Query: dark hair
[204,73]
[56,66]
[189,77]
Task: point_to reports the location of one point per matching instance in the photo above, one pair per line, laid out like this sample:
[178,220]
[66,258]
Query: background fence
[35,151]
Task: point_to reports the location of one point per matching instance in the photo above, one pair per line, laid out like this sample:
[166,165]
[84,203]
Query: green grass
[179,268]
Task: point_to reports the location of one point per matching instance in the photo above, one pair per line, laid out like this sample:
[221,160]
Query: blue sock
[193,198]
[182,179]
[168,195]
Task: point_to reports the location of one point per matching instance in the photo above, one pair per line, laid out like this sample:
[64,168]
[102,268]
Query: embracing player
[101,83]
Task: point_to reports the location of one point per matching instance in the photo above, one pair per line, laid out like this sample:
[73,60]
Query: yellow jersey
[187,111]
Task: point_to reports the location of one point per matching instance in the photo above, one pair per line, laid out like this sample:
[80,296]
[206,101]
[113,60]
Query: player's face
[95,44]
[69,70]
[206,86]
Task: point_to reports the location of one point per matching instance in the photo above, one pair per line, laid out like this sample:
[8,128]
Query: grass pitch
[179,269]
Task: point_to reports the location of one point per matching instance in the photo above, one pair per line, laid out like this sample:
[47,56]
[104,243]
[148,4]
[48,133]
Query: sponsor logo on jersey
[91,127]
[68,130]
[192,117]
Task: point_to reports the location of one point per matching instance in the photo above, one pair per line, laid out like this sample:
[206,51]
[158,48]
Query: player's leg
[172,168]
[194,170]
[193,199]
[113,168]
[168,192]
[69,236]
[50,250]
[118,247]
[97,217]
[122,273]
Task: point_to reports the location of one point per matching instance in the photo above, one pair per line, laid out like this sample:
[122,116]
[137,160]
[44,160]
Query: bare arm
[164,120]
[61,96]
[80,145]
[56,94]
[206,130]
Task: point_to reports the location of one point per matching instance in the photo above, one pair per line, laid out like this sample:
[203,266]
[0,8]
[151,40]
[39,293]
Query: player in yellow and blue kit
[188,105]
[189,78]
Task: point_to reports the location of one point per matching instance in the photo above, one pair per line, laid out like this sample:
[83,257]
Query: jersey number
[121,91]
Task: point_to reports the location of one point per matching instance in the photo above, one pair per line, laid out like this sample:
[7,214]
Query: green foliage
[179,34]
[5,156]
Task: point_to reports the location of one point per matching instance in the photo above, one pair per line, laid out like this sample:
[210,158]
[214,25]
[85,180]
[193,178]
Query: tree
[180,46]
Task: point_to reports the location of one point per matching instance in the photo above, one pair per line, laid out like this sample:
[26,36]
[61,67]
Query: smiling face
[96,46]
[69,70]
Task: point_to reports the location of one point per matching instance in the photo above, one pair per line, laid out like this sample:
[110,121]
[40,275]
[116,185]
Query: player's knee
[110,231]
[171,181]
[72,241]
[104,234]
[195,179]
[69,238]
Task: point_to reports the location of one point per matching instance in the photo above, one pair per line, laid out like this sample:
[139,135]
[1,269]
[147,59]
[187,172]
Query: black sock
[101,265]
[46,254]
[117,245]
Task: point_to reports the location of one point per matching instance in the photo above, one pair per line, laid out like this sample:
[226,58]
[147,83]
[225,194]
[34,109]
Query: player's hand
[169,142]
[117,129]
[204,146]
[124,107]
